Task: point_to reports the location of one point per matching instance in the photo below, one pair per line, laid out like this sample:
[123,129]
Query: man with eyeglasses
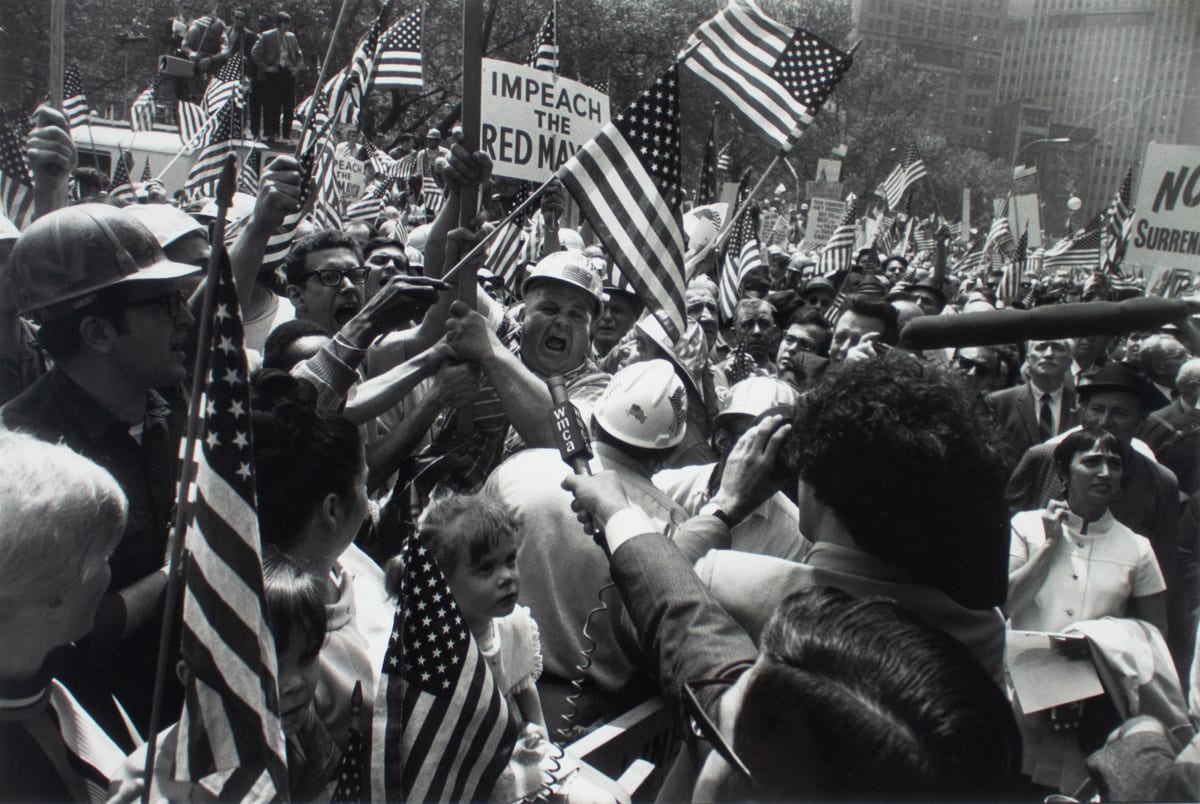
[1043,407]
[326,278]
[114,319]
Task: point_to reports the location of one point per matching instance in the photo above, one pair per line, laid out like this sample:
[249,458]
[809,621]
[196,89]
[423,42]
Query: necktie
[1046,418]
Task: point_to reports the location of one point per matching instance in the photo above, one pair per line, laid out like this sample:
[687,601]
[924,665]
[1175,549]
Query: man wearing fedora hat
[1117,400]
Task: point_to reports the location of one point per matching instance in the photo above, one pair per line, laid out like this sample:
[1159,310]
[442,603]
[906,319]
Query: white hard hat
[570,239]
[644,405]
[572,268]
[165,222]
[754,396]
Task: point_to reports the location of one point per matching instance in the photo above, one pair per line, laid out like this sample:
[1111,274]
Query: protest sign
[1166,226]
[824,215]
[533,121]
[1024,215]
[348,174]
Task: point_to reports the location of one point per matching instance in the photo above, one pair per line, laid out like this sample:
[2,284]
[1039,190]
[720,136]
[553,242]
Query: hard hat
[243,205]
[65,257]
[755,396]
[570,239]
[689,353]
[418,237]
[433,134]
[571,268]
[167,223]
[644,405]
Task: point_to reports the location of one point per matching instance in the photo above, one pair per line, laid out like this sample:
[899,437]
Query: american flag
[321,112]
[368,207]
[742,254]
[776,76]
[724,159]
[885,235]
[970,262]
[146,174]
[224,87]
[406,166]
[327,197]
[1009,289]
[910,170]
[206,170]
[251,172]
[192,120]
[544,55]
[231,737]
[432,197]
[442,730]
[122,187]
[627,182]
[1118,224]
[706,185]
[1070,253]
[280,241]
[504,253]
[838,252]
[141,113]
[354,84]
[999,237]
[75,104]
[924,236]
[16,182]
[399,62]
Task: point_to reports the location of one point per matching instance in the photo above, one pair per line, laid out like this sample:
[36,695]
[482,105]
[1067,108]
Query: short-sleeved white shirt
[1095,575]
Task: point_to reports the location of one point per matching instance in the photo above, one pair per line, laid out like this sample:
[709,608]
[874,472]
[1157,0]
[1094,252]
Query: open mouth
[344,312]
[553,343]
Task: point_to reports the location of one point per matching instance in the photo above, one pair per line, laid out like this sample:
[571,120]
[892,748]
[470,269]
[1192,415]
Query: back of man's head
[858,699]
[913,469]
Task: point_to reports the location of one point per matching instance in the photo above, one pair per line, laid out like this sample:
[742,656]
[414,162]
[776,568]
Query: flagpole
[225,188]
[490,236]
[195,140]
[727,229]
[308,115]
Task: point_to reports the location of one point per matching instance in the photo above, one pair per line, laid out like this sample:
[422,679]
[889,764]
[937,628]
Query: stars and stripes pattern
[192,120]
[146,174]
[441,729]
[16,182]
[354,84]
[399,64]
[75,103]
[999,237]
[910,170]
[368,207]
[725,159]
[1118,223]
[1009,289]
[224,87]
[406,166]
[777,77]
[250,173]
[627,181]
[231,737]
[924,237]
[742,254]
[91,756]
[837,254]
[544,55]
[706,185]
[327,197]
[885,234]
[206,170]
[122,186]
[141,112]
[504,254]
[1071,253]
[280,241]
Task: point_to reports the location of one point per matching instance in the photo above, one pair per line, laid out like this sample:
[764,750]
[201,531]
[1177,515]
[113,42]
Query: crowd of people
[812,538]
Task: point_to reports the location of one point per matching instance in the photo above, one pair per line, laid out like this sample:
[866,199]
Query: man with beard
[755,333]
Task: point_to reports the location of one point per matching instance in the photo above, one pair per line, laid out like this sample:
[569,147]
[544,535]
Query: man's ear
[296,297]
[97,333]
[331,510]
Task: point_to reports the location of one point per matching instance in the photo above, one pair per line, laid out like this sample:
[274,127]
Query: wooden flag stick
[333,39]
[490,236]
[225,188]
[727,229]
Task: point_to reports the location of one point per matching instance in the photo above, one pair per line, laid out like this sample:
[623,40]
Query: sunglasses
[332,277]
[702,727]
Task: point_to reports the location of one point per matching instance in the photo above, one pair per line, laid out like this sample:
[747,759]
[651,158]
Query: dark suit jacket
[1174,434]
[266,50]
[1015,410]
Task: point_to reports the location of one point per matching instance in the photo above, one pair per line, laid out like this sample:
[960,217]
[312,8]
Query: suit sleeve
[682,628]
[1021,494]
[258,53]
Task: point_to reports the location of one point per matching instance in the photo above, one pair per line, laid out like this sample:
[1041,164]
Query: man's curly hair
[914,470]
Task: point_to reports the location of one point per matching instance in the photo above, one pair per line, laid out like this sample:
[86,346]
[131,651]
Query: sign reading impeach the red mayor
[1166,227]
[534,121]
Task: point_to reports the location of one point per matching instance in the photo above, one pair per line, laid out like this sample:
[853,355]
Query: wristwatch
[712,509]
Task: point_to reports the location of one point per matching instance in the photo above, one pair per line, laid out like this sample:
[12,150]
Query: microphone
[570,433]
[1051,321]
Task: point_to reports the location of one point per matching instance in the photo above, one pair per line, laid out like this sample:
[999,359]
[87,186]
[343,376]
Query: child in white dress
[474,539]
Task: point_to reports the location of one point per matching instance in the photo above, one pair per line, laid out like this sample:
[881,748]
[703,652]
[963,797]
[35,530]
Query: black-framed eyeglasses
[701,725]
[174,303]
[332,277]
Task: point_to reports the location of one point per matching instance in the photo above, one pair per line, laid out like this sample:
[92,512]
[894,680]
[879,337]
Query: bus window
[100,160]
